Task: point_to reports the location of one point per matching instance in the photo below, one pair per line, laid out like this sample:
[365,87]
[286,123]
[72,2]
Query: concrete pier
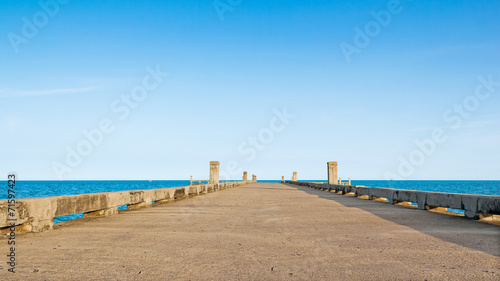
[332,172]
[263,231]
[37,214]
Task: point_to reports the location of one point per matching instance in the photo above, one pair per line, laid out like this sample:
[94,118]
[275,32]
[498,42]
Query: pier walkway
[263,231]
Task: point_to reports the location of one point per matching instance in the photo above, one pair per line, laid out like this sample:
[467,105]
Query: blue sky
[229,76]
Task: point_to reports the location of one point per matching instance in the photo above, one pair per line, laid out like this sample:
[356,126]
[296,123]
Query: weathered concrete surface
[332,172]
[214,172]
[37,214]
[472,204]
[263,232]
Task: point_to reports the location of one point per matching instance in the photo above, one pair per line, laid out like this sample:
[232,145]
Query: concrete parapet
[37,214]
[473,205]
[488,205]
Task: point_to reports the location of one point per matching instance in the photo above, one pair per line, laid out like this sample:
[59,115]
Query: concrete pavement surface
[262,231]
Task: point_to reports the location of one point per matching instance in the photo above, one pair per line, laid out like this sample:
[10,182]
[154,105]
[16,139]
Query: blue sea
[30,189]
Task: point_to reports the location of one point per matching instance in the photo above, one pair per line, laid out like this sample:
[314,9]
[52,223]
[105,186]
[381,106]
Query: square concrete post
[191,181]
[294,176]
[349,181]
[332,173]
[282,178]
[214,172]
[245,176]
[254,178]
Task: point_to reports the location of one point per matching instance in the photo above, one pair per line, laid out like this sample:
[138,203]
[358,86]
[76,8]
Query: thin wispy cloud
[24,93]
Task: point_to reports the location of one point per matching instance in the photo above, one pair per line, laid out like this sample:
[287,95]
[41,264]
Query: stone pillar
[245,176]
[332,173]
[349,181]
[191,181]
[282,178]
[214,172]
[254,178]
[294,176]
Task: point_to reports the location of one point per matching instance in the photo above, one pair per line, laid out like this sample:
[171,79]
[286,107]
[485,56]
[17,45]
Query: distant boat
[150,180]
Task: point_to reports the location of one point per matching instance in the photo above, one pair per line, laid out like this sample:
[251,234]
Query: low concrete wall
[473,205]
[37,214]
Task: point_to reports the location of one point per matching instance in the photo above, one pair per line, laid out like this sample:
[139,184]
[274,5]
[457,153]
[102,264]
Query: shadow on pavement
[468,233]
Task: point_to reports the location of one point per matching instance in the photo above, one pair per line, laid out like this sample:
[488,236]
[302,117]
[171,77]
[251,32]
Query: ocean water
[30,189]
